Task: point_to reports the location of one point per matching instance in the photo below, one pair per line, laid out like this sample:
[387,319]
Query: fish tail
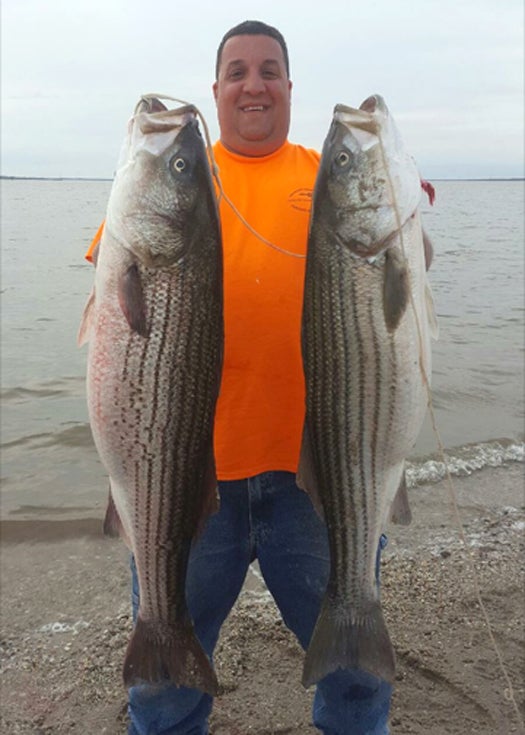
[349,640]
[159,653]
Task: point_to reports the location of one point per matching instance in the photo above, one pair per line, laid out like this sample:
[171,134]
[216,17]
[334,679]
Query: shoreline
[65,617]
[475,487]
[48,531]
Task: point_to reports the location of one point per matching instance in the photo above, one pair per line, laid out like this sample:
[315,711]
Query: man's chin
[253,143]
[254,135]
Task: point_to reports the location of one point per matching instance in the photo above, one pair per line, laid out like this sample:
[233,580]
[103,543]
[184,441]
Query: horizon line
[103,178]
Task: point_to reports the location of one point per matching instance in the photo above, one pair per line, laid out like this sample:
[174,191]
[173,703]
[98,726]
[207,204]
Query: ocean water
[48,460]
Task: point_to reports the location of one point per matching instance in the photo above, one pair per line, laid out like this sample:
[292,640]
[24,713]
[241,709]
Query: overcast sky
[451,72]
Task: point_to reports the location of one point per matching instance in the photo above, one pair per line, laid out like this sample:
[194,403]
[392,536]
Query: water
[48,458]
[478,282]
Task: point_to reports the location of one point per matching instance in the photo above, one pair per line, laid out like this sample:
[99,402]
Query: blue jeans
[270,519]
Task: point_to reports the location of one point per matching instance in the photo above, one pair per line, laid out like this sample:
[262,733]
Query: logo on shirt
[301,199]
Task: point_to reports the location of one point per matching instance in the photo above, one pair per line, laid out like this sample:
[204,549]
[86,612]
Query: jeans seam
[253,541]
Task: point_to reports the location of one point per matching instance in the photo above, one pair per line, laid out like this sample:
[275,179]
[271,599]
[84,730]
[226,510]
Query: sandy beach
[65,623]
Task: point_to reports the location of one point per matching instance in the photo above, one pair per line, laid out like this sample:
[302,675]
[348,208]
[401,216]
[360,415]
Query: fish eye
[178,165]
[342,158]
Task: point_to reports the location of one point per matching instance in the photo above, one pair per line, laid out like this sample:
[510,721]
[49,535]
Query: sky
[450,71]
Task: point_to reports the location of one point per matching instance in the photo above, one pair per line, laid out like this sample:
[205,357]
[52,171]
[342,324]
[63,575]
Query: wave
[463,461]
[69,385]
[18,394]
[74,436]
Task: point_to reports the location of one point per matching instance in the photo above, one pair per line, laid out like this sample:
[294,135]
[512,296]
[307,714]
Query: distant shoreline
[95,178]
[53,178]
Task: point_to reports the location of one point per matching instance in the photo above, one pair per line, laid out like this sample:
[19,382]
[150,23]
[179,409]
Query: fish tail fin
[159,653]
[354,640]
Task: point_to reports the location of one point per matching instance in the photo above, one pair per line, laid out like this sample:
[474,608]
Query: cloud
[450,71]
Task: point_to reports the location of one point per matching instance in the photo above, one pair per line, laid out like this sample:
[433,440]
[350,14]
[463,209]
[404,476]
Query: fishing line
[216,176]
[509,691]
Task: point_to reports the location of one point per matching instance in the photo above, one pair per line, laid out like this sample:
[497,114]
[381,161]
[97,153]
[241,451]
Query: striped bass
[155,330]
[366,327]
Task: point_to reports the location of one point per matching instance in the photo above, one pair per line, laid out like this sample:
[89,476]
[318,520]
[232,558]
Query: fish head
[162,185]
[367,183]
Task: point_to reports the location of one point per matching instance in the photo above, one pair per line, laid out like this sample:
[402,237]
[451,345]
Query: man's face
[253,95]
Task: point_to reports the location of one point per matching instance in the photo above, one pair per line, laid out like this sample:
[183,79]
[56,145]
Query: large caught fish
[155,330]
[367,311]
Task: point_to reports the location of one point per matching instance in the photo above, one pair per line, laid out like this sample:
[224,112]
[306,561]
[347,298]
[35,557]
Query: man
[260,412]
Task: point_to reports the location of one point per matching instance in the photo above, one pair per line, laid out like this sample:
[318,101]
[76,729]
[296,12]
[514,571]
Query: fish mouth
[163,121]
[340,110]
[366,118]
[370,105]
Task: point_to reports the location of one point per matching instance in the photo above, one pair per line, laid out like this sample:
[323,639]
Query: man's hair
[253,28]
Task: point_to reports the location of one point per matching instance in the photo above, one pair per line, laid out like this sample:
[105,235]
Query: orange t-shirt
[260,411]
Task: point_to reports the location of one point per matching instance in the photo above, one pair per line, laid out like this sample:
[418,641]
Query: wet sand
[65,623]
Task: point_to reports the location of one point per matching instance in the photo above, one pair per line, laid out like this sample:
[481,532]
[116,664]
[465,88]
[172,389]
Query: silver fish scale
[356,407]
[164,397]
[181,361]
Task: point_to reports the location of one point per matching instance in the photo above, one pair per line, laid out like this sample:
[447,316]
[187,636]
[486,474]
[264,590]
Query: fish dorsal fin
[431,312]
[131,300]
[396,286]
[306,478]
[400,512]
[86,320]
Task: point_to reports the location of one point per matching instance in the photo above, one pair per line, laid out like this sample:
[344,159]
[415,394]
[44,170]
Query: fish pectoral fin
[400,512]
[428,250]
[431,312]
[95,252]
[306,477]
[113,525]
[396,288]
[86,320]
[131,300]
[349,640]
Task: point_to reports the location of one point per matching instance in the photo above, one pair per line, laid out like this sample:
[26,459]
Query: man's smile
[254,108]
